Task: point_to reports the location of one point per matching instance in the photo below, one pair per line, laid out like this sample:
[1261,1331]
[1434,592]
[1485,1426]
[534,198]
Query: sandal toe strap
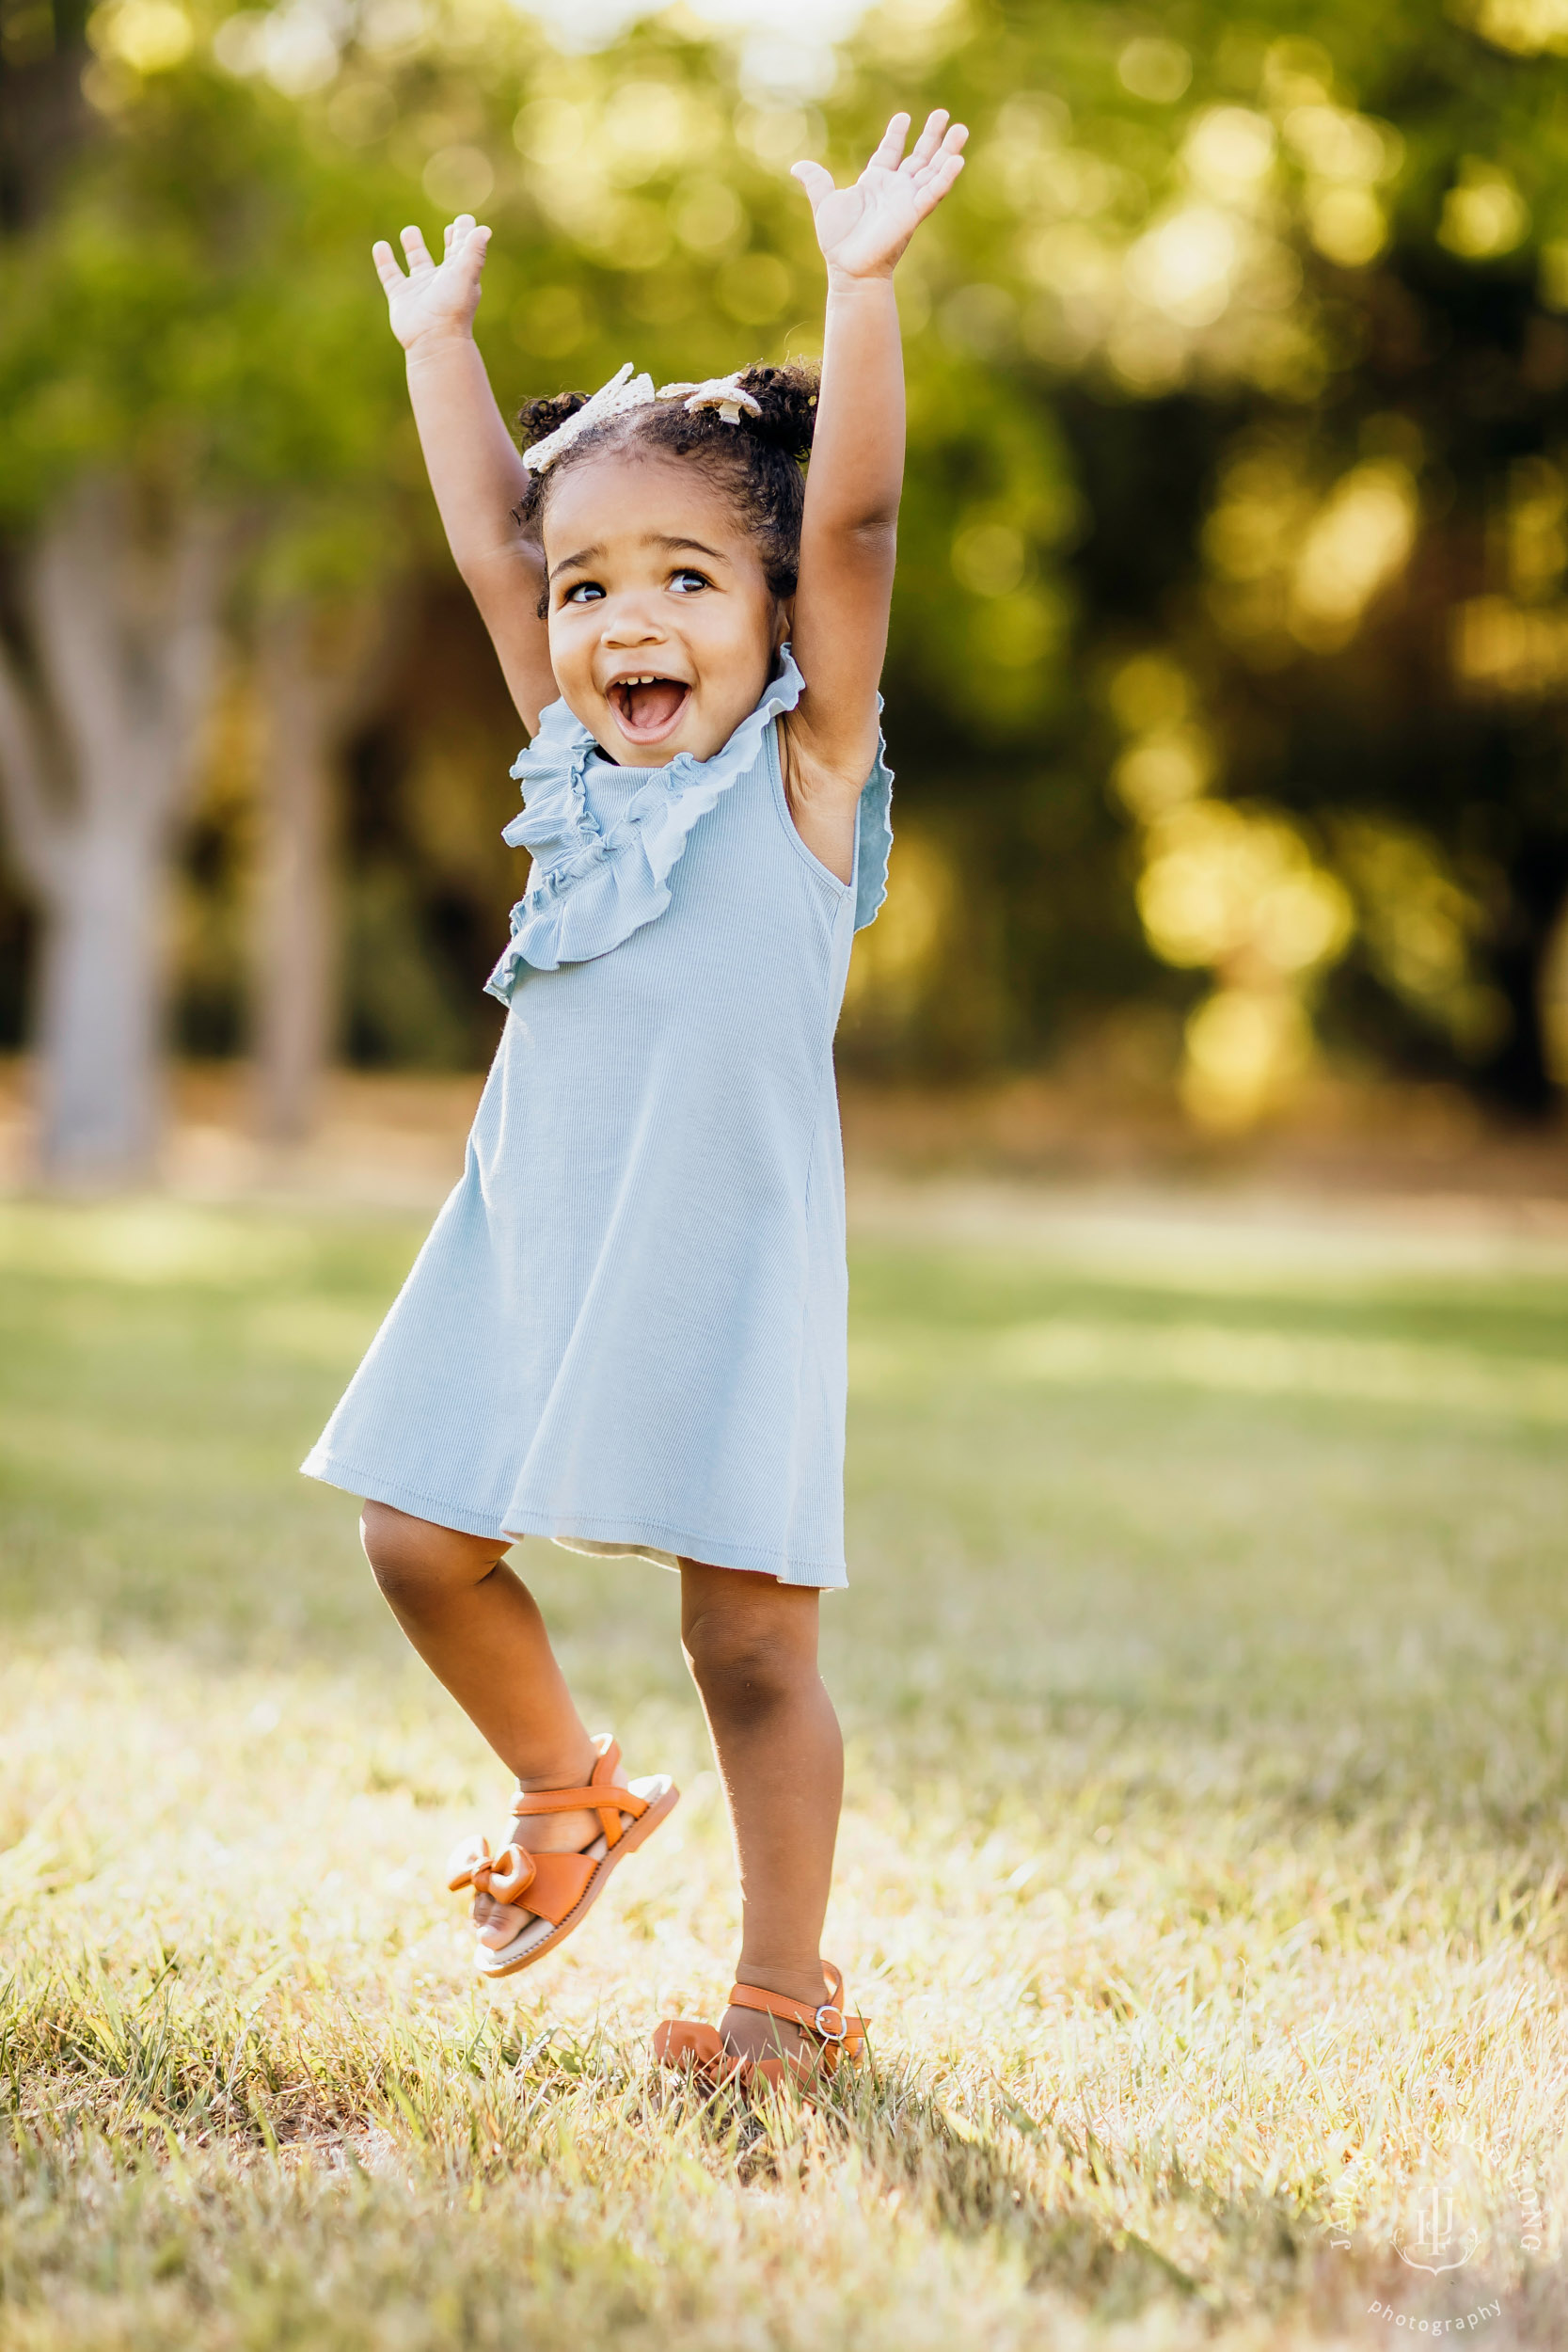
[558,1883]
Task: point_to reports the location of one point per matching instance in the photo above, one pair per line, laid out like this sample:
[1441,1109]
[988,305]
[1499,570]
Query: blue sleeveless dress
[626,1329]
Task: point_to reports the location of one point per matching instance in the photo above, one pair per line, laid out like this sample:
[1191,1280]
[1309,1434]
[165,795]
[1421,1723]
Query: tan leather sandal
[840,2039]
[559,1889]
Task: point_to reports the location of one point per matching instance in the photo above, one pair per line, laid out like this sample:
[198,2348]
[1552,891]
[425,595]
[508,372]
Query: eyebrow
[665,539]
[570,562]
[662,539]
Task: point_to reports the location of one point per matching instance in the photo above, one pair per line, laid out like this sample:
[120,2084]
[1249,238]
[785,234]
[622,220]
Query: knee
[744,1669]
[415,1561]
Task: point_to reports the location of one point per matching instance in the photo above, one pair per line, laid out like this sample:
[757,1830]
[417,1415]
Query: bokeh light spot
[1159,70]
[1483,213]
[459,179]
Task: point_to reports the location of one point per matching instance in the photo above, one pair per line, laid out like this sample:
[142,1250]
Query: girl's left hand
[863,229]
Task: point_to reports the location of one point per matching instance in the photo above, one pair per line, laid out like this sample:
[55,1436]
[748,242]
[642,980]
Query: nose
[628,622]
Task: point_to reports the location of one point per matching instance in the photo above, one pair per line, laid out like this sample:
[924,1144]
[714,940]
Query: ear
[533,549]
[783,621]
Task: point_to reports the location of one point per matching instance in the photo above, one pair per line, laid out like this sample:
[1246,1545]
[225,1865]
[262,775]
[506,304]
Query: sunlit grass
[1203,1874]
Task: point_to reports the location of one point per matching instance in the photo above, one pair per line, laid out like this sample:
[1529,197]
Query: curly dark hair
[758,462]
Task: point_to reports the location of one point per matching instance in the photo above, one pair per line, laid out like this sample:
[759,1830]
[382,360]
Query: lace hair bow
[624,390]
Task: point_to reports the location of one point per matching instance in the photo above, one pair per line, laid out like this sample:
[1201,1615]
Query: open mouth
[648,707]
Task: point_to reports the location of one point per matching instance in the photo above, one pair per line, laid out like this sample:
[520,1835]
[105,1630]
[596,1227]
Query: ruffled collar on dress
[592,885]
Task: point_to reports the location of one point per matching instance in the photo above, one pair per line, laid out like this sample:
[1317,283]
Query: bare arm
[848,532]
[474,466]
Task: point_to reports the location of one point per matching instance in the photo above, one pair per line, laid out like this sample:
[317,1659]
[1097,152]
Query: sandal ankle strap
[828,2021]
[530,1803]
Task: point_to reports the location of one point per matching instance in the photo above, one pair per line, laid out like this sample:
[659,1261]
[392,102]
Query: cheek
[731,626]
[571,644]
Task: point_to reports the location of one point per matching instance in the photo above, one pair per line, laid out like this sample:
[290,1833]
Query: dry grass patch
[1203,1873]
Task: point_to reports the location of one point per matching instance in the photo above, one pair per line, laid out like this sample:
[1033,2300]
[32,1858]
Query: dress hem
[749,1558]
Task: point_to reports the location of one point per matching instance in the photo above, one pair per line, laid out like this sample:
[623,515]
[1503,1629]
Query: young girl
[627,1329]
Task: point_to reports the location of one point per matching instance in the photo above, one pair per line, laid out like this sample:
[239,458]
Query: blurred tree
[319,665]
[44,112]
[1278,300]
[1232,640]
[124,636]
[196,357]
[185,352]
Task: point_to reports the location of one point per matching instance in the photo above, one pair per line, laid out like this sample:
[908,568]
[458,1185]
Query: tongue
[654,706]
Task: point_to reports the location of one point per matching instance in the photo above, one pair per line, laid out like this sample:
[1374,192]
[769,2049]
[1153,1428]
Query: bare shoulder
[822,792]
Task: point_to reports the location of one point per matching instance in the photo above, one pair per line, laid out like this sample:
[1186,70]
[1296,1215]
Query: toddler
[626,1329]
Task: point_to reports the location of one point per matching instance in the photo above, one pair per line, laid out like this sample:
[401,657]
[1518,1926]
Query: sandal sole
[746,2076]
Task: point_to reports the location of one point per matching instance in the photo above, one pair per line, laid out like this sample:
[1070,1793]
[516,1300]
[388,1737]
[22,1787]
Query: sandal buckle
[838,2031]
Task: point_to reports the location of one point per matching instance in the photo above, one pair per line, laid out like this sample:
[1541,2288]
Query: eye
[583,592]
[689,583]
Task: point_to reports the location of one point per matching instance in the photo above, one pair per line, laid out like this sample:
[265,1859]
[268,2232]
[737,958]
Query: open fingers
[413,243]
[933,184]
[952,145]
[929,140]
[387,267]
[816,182]
[945,165]
[466,243]
[469,244]
[890,153]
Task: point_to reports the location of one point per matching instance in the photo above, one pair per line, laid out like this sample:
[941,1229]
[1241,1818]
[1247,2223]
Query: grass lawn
[1204,1875]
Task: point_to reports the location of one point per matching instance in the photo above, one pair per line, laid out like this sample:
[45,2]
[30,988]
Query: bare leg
[751,1644]
[478,1628]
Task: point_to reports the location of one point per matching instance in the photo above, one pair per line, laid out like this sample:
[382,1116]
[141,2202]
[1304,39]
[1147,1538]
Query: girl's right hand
[434,302]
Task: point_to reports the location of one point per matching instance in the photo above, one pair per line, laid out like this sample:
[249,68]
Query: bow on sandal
[839,2037]
[557,1889]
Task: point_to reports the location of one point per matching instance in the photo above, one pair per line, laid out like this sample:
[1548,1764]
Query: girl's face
[664,628]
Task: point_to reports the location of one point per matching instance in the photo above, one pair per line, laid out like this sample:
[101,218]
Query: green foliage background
[187,289]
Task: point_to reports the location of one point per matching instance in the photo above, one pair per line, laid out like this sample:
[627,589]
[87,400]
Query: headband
[623,391]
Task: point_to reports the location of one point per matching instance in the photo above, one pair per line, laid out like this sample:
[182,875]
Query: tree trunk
[99,997]
[1553,998]
[101,727]
[1519,1075]
[318,669]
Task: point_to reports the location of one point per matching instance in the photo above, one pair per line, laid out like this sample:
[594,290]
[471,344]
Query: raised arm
[848,532]
[474,466]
